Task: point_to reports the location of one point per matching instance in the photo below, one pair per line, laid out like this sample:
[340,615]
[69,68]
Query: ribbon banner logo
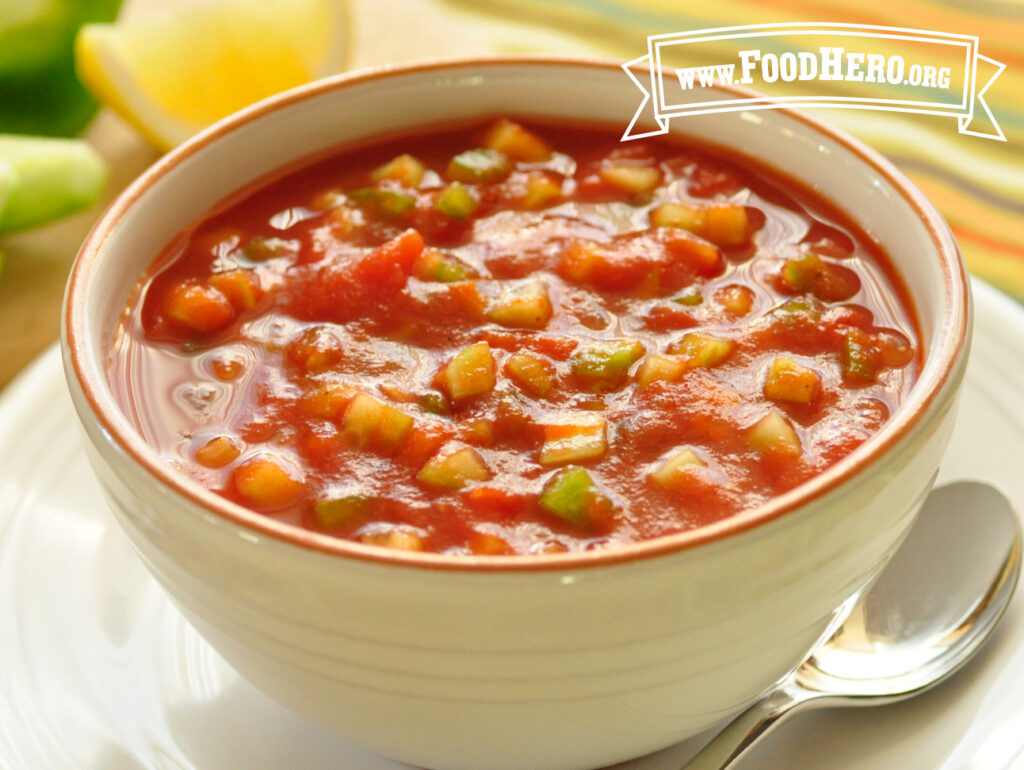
[851,66]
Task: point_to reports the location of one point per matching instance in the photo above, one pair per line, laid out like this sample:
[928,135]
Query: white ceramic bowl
[558,661]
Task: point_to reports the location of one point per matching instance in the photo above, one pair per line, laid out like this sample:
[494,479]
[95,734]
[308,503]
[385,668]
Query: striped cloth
[977,184]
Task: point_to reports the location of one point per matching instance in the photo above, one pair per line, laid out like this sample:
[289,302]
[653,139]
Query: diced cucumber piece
[683,215]
[478,166]
[387,202]
[48,179]
[456,201]
[532,373]
[724,224]
[471,372]
[584,439]
[604,365]
[370,422]
[404,169]
[540,191]
[630,178]
[266,481]
[514,141]
[773,434]
[522,305]
[453,470]
[789,381]
[702,350]
[332,513]
[572,495]
[659,367]
[674,469]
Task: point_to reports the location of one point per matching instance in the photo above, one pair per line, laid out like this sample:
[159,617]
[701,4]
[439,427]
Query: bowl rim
[950,352]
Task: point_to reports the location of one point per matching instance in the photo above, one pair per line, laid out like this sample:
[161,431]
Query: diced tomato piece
[663,261]
[664,318]
[484,544]
[390,264]
[496,500]
[315,349]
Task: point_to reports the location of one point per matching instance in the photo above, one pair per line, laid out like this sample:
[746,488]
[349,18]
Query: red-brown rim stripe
[952,353]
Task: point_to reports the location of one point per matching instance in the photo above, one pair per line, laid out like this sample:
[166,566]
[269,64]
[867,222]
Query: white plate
[99,672]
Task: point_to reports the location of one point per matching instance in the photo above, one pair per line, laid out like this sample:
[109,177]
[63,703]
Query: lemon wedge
[172,73]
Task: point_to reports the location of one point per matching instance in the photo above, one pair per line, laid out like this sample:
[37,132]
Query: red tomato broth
[328,306]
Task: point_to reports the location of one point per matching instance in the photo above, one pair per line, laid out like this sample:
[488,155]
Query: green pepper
[857,357]
[433,402]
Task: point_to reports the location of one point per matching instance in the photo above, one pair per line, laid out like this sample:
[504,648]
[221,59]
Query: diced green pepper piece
[434,403]
[572,495]
[604,365]
[456,201]
[387,202]
[478,166]
[857,357]
[404,169]
[332,513]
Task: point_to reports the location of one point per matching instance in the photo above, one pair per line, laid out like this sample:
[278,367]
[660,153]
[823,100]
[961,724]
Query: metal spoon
[932,608]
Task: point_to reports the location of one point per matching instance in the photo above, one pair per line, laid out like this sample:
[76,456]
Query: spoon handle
[746,730]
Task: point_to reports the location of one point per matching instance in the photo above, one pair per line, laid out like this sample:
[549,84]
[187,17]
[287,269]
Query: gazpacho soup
[514,337]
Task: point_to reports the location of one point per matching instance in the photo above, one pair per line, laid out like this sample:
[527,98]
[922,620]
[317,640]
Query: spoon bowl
[930,610]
